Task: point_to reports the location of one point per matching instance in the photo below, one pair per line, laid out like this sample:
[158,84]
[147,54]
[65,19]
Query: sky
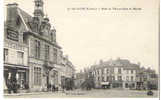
[87,36]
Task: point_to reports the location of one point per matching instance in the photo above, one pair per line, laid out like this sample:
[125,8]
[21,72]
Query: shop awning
[16,66]
[105,83]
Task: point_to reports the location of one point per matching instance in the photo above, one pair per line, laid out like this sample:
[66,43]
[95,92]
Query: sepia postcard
[81,49]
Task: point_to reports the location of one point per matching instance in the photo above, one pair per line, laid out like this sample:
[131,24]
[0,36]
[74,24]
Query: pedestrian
[49,87]
[14,86]
[53,88]
[9,86]
[26,85]
[22,84]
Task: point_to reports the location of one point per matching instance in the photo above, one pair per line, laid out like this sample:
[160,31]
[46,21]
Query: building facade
[80,79]
[118,73]
[147,79]
[15,59]
[68,73]
[32,42]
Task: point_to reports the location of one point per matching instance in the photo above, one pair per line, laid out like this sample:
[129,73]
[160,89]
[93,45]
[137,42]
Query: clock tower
[38,12]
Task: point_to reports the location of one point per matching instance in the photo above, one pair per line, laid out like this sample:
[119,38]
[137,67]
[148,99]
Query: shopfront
[17,74]
[117,84]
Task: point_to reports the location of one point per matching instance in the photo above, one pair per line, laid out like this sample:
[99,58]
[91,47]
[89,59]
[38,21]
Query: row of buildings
[120,73]
[32,55]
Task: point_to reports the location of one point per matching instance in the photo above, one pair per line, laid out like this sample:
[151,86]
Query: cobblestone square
[95,93]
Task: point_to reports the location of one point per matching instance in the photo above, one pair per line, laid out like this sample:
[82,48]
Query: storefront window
[21,79]
[126,85]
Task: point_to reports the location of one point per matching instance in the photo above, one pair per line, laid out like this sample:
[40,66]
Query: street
[94,93]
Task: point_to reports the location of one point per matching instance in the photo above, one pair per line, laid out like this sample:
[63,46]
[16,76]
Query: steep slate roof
[26,18]
[126,64]
[27,21]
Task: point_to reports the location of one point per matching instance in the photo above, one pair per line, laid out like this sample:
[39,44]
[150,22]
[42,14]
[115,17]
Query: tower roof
[39,8]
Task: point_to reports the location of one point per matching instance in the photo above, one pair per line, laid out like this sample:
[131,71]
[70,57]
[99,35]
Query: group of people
[13,86]
[67,84]
[52,88]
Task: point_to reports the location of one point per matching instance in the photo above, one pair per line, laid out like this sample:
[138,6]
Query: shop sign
[12,35]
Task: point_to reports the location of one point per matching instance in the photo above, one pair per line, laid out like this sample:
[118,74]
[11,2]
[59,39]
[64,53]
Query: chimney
[101,62]
[11,14]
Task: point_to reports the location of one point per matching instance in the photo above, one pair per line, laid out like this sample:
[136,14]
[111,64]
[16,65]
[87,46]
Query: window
[119,70]
[113,78]
[153,76]
[102,71]
[107,71]
[55,55]
[98,72]
[103,79]
[120,78]
[37,76]
[132,78]
[112,70]
[126,85]
[98,78]
[144,79]
[127,78]
[133,85]
[107,78]
[131,71]
[20,57]
[5,55]
[127,71]
[55,77]
[93,73]
[47,52]
[37,49]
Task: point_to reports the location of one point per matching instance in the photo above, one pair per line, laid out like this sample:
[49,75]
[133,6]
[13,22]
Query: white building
[118,73]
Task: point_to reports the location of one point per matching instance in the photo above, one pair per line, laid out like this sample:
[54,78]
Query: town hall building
[31,49]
